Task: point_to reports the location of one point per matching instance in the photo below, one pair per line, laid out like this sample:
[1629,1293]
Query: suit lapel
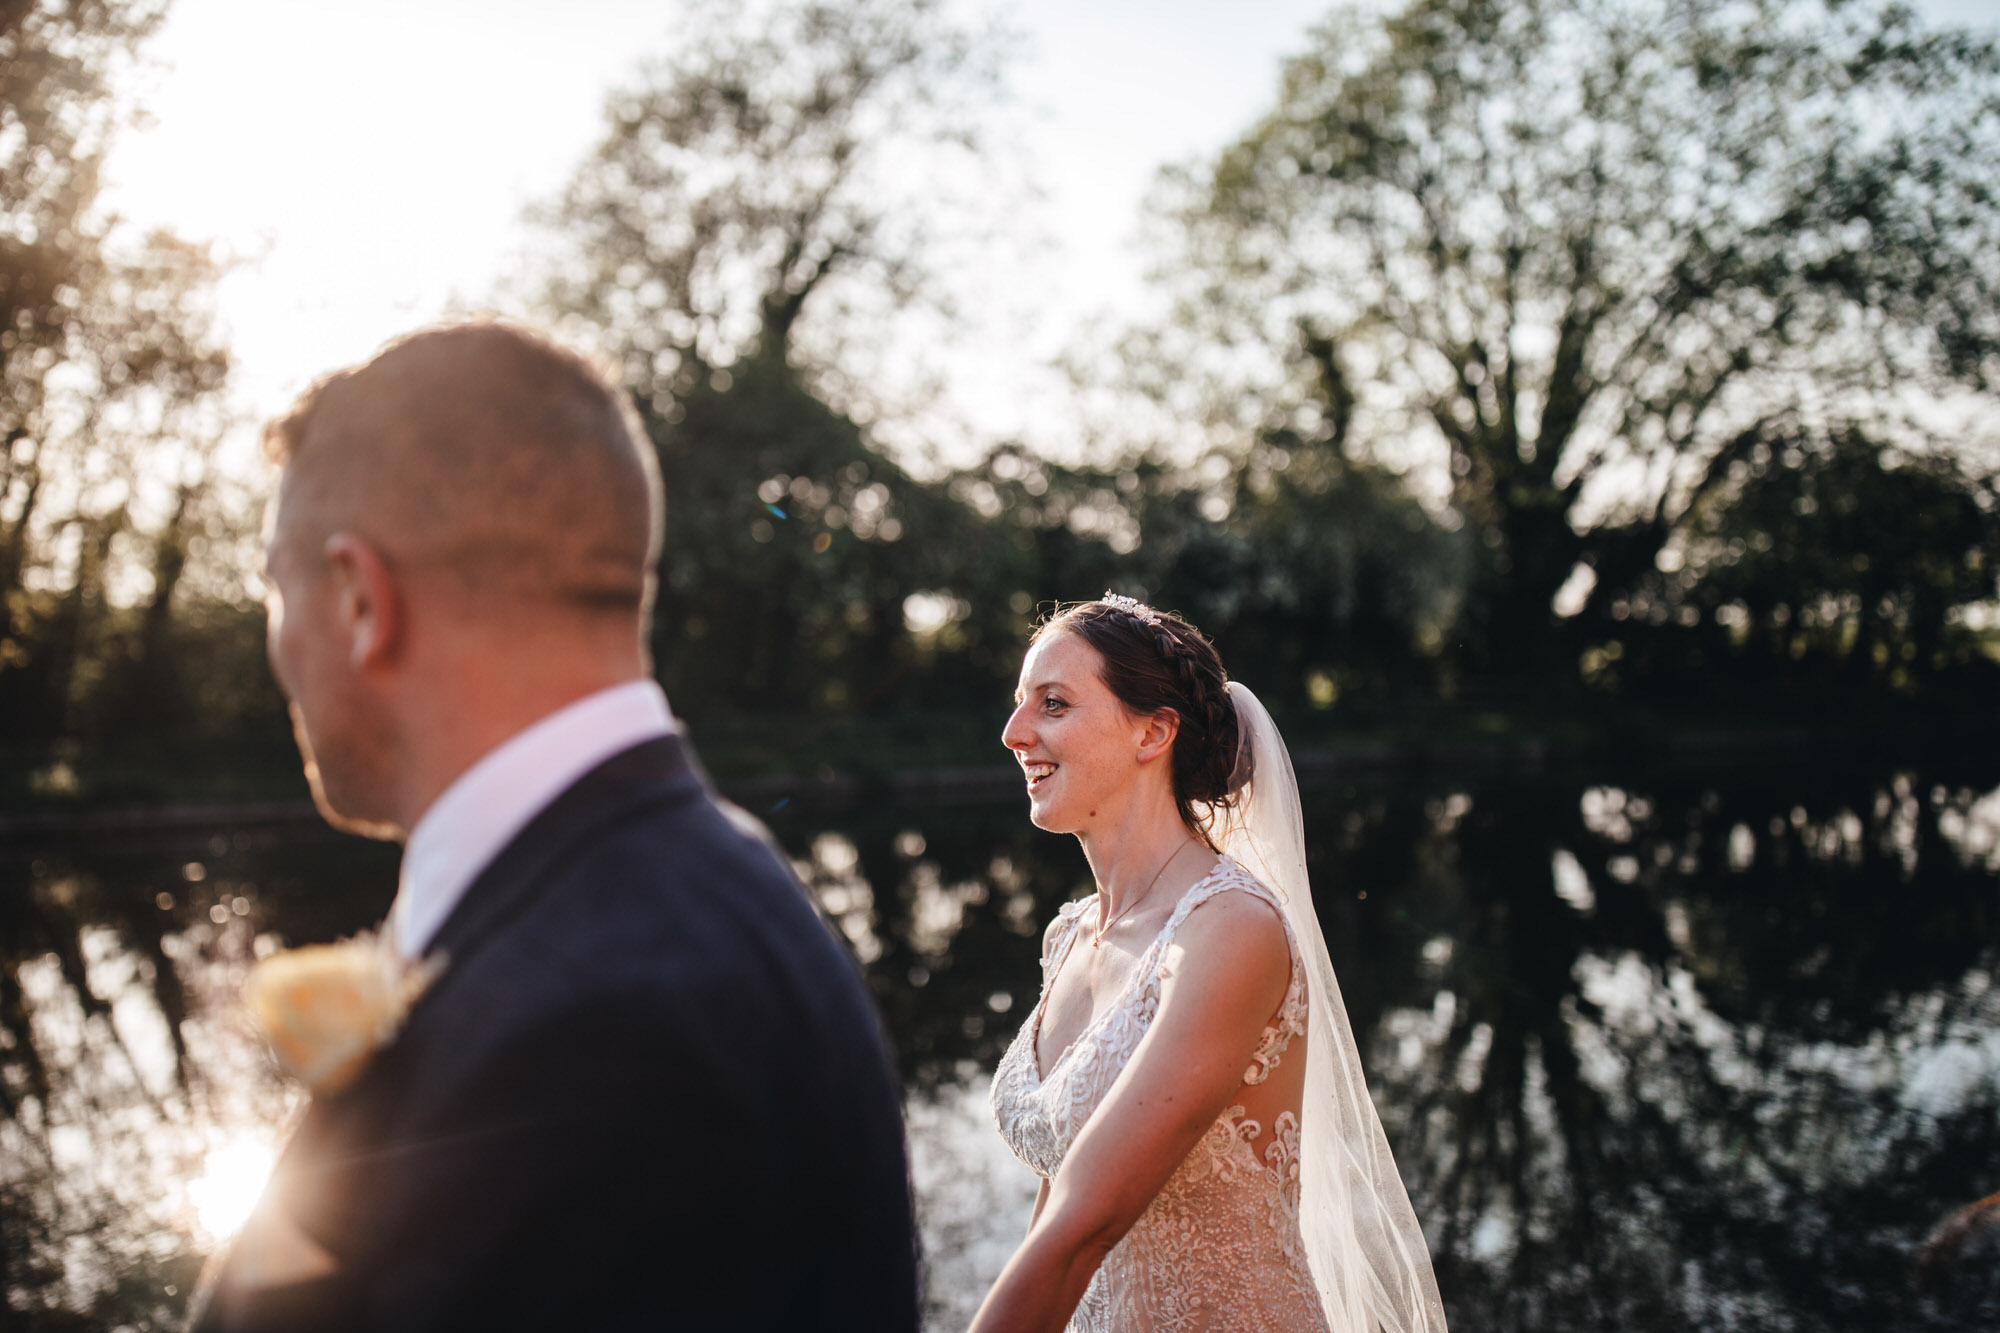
[650,774]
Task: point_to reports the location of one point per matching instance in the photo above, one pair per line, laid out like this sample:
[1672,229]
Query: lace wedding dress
[1219,1248]
[1318,1234]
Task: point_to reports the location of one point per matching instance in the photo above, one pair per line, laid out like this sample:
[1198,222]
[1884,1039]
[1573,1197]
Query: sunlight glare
[232,1181]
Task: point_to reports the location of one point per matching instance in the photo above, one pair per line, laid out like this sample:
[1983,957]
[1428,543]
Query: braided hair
[1154,660]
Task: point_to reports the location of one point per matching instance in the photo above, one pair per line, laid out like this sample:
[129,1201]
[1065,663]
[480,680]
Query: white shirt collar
[482,810]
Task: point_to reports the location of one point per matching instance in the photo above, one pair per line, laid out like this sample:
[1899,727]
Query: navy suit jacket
[648,1091]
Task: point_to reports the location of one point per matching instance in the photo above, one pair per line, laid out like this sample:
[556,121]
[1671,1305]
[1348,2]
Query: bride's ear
[1156,739]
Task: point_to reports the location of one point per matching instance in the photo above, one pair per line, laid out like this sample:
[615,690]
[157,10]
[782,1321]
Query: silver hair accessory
[1131,606]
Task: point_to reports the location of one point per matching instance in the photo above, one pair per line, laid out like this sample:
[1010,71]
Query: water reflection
[139,1111]
[974,1198]
[1657,1049]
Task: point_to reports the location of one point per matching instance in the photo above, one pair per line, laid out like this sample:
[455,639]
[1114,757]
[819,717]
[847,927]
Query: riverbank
[67,794]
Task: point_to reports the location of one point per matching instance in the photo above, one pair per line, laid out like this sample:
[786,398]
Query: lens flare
[231,1182]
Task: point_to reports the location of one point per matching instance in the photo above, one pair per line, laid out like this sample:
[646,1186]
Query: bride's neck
[1127,855]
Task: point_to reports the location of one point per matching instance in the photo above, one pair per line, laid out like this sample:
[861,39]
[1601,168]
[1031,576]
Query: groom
[647,1090]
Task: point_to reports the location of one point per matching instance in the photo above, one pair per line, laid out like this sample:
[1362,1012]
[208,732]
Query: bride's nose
[1016,734]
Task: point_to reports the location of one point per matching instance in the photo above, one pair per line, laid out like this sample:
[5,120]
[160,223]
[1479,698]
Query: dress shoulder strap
[1066,929]
[1226,875]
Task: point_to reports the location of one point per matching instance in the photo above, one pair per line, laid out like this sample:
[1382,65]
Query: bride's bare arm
[1223,979]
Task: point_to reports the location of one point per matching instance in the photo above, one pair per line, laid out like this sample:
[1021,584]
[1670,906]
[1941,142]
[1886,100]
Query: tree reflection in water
[1713,1054]
[1656,1050]
[137,1104]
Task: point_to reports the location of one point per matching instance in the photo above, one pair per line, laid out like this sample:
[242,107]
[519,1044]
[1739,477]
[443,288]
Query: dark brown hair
[1155,660]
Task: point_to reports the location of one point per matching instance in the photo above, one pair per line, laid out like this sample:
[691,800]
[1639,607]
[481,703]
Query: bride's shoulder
[1230,944]
[1250,919]
[1063,920]
[1229,873]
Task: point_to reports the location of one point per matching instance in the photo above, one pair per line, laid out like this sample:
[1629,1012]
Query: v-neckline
[1069,946]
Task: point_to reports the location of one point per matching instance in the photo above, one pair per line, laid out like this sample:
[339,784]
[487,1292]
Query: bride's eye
[1052,704]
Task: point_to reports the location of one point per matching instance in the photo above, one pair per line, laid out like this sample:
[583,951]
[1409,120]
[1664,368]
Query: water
[1713,1047]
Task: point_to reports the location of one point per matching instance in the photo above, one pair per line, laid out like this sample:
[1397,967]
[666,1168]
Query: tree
[1324,577]
[771,189]
[109,381]
[1832,563]
[757,216]
[1314,575]
[792,548]
[1589,254]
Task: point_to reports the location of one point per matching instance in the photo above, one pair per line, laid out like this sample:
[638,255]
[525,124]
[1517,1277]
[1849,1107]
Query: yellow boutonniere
[326,1008]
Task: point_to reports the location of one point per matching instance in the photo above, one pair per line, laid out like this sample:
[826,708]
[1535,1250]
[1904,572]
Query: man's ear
[1157,735]
[368,601]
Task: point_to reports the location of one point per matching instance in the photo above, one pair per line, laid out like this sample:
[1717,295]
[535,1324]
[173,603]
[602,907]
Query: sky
[369,163]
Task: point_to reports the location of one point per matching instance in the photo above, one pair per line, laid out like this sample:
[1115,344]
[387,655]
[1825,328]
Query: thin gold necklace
[1097,937]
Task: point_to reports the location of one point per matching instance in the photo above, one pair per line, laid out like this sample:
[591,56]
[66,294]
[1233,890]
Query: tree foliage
[1534,335]
[1323,576]
[1831,565]
[1589,254]
[109,382]
[774,188]
[756,215]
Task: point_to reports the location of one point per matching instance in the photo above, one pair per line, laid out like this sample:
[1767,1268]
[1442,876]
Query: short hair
[485,451]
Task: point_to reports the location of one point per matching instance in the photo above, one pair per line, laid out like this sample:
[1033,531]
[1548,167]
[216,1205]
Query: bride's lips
[1038,772]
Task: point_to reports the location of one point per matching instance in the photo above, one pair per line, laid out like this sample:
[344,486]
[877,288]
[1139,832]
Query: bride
[1187,1086]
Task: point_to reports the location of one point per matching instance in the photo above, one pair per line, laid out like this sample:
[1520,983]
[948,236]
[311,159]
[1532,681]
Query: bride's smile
[1079,747]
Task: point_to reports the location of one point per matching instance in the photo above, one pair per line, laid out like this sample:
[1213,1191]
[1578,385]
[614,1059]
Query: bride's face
[1077,744]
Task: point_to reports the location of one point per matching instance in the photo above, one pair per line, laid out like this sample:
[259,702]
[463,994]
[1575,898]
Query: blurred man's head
[463,539]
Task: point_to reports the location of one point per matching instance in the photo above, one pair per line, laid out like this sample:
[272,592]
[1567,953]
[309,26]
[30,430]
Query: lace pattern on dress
[1219,1247]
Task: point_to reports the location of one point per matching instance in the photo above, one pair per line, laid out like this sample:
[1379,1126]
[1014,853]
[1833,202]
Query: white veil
[1367,1252]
